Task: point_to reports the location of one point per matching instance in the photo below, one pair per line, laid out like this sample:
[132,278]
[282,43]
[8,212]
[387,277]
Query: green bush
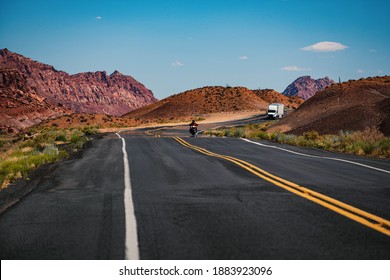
[226,132]
[90,130]
[21,157]
[239,132]
[262,135]
[61,137]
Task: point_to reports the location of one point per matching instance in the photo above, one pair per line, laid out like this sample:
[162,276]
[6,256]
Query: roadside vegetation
[39,146]
[370,142]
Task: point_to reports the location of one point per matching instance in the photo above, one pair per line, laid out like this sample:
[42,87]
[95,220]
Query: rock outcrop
[91,92]
[305,87]
[20,105]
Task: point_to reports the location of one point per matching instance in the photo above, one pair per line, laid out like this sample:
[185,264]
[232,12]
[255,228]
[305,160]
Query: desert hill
[201,101]
[350,106]
[91,92]
[305,87]
[272,96]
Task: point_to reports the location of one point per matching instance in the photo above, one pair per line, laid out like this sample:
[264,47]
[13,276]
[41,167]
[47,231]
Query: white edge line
[306,155]
[131,239]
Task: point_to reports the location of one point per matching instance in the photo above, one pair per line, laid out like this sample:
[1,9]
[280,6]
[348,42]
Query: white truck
[275,111]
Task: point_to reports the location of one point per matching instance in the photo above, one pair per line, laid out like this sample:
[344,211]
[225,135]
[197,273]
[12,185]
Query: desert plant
[61,137]
[19,158]
[239,132]
[367,142]
[311,135]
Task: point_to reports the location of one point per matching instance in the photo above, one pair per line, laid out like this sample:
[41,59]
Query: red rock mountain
[97,92]
[305,87]
[350,106]
[20,105]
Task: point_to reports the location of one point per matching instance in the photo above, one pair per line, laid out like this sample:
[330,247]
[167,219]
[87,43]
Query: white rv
[275,111]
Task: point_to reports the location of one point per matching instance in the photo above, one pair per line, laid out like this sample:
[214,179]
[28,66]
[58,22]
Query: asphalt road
[189,205]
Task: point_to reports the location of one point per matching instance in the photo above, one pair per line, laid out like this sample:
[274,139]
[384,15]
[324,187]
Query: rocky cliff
[305,87]
[20,105]
[96,92]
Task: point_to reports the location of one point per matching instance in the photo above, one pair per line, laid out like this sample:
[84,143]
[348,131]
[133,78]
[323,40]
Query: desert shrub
[51,150]
[239,132]
[274,136]
[369,135]
[262,135]
[19,161]
[329,142]
[382,148]
[367,142]
[226,132]
[311,135]
[61,137]
[290,139]
[90,130]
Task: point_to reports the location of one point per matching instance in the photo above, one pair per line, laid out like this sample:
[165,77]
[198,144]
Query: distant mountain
[349,106]
[305,87]
[96,92]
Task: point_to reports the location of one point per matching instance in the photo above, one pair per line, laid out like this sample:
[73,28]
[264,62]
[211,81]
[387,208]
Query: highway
[202,198]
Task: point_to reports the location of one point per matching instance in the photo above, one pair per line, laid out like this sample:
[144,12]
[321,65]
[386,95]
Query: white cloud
[98,17]
[372,50]
[360,71]
[294,68]
[177,64]
[325,47]
[244,57]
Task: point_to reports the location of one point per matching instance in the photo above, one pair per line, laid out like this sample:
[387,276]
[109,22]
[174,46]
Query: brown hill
[20,105]
[272,96]
[305,87]
[201,101]
[97,92]
[352,105]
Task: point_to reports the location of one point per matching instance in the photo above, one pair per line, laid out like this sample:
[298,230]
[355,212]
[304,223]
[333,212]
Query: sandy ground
[211,118]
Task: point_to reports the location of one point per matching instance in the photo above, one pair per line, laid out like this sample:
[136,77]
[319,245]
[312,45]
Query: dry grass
[39,147]
[369,142]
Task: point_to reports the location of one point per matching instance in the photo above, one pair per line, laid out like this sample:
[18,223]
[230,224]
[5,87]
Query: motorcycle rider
[193,128]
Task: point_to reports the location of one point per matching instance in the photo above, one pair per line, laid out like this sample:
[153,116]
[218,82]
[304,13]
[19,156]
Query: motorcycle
[193,130]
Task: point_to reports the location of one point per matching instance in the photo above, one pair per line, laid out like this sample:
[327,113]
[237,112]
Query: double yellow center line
[353,213]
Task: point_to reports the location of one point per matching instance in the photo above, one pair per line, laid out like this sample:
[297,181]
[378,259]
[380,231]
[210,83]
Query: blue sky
[173,46]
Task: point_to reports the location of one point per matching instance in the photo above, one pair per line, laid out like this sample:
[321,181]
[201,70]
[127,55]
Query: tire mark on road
[105,235]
